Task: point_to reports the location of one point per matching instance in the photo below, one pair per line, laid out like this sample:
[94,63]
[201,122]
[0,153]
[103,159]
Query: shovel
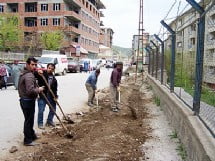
[68,133]
[50,90]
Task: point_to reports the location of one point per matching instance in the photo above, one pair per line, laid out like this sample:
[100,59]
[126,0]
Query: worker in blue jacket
[91,86]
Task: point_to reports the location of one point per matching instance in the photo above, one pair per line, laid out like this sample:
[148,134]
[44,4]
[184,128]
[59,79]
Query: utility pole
[140,39]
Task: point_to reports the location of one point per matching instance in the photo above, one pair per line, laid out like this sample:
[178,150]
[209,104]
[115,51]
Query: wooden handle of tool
[52,93]
[52,108]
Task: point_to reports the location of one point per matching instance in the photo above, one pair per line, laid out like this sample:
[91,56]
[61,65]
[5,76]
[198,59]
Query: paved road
[72,97]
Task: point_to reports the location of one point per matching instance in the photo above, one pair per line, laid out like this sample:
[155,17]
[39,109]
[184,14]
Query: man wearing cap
[91,86]
[115,80]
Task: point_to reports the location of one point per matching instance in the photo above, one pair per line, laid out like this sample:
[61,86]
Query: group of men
[115,80]
[32,83]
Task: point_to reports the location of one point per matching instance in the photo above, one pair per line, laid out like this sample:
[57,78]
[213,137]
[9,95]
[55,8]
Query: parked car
[60,61]
[73,66]
[85,65]
[109,64]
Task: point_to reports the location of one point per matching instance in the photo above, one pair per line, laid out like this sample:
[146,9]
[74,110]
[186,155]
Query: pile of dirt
[101,134]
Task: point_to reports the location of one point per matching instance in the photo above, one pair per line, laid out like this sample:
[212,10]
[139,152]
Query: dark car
[73,66]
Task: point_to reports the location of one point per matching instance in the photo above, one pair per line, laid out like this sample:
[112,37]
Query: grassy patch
[174,135]
[157,100]
[181,151]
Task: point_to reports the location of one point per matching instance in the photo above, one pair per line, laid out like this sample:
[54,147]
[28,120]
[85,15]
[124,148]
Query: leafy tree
[52,40]
[10,34]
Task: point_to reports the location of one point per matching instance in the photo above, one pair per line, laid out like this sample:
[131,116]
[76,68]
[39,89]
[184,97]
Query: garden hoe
[68,133]
[69,121]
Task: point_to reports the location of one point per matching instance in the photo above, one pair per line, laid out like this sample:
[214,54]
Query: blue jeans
[41,108]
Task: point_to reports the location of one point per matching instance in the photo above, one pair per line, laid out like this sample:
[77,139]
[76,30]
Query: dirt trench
[101,134]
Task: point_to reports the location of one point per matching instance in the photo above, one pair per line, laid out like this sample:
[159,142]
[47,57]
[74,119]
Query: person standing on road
[3,73]
[16,69]
[52,81]
[115,80]
[28,92]
[91,86]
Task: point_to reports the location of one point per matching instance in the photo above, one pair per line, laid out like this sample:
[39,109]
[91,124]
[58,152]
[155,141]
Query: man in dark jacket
[28,92]
[114,85]
[52,82]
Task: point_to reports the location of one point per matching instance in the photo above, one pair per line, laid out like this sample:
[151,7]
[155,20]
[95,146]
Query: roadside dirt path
[102,135]
[99,134]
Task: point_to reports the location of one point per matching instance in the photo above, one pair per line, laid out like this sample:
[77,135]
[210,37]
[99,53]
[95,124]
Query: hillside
[124,51]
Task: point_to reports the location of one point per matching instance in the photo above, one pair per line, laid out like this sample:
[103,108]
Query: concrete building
[105,43]
[142,44]
[106,37]
[186,42]
[209,58]
[78,19]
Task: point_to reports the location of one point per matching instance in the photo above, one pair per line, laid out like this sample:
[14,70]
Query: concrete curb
[198,141]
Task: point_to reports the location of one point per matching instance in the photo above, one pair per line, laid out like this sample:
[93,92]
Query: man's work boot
[90,104]
[52,124]
[114,109]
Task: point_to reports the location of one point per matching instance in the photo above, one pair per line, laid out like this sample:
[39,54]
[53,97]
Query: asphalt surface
[72,97]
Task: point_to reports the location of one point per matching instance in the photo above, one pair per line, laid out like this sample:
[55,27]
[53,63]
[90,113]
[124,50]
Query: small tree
[10,33]
[52,40]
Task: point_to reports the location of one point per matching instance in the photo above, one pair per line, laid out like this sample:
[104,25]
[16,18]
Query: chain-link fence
[186,65]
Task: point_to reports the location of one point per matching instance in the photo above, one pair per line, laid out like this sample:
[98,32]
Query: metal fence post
[152,63]
[156,58]
[172,72]
[162,56]
[199,55]
[148,50]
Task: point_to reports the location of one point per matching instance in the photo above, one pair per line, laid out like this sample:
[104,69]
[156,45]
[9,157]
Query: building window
[86,4]
[44,22]
[56,21]
[56,7]
[44,7]
[1,8]
[90,8]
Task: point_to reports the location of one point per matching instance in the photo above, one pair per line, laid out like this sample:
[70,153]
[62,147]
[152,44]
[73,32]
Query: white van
[60,61]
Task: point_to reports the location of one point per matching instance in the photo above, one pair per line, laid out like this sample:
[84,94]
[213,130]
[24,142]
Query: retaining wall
[199,143]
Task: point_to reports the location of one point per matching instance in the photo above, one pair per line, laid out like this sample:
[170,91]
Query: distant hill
[124,51]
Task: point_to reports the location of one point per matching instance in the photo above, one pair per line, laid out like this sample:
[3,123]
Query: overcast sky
[123,17]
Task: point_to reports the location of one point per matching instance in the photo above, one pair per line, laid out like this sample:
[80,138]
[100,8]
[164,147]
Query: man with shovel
[28,92]
[52,82]
[114,85]
[91,86]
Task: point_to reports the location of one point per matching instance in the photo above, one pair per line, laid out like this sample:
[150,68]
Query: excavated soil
[99,134]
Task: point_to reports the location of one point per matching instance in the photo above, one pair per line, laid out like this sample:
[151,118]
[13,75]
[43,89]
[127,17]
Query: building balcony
[211,25]
[209,77]
[72,29]
[74,2]
[212,11]
[210,44]
[192,47]
[30,28]
[178,38]
[72,14]
[192,34]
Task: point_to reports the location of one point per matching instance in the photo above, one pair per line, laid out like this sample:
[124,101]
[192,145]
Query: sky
[123,17]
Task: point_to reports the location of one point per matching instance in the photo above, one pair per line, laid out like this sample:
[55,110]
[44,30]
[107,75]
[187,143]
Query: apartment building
[142,44]
[209,58]
[106,37]
[78,19]
[186,42]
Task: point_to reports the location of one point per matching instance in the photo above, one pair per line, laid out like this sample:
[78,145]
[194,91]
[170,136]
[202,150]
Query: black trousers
[28,109]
